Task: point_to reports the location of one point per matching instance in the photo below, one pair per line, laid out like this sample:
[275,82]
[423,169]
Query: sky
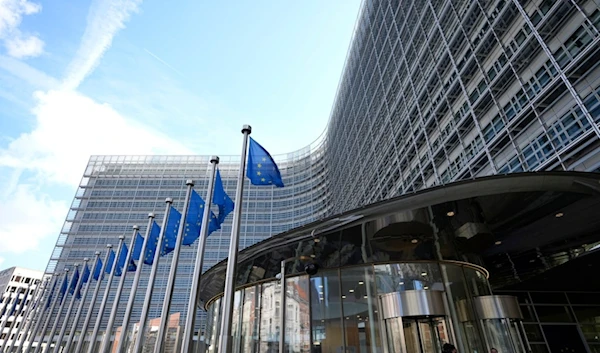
[81,78]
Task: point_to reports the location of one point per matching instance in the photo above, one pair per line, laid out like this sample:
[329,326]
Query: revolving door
[500,320]
[414,321]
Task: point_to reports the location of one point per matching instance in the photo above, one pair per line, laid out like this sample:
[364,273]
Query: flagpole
[10,313]
[63,329]
[230,277]
[60,309]
[82,300]
[41,313]
[146,308]
[134,286]
[113,313]
[190,321]
[164,318]
[47,321]
[115,264]
[88,316]
[30,309]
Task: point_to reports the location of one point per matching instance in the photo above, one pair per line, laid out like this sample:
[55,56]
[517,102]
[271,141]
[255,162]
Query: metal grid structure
[117,192]
[438,91]
[432,92]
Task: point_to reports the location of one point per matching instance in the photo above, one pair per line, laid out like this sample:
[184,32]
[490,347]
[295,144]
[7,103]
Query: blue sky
[129,77]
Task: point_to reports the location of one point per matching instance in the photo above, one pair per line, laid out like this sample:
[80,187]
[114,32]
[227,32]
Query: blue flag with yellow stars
[171,231]
[137,247]
[110,262]
[85,277]
[74,280]
[121,262]
[98,270]
[193,221]
[151,244]
[262,169]
[50,296]
[63,290]
[222,200]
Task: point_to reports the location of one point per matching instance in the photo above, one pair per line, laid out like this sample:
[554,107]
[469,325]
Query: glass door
[395,335]
[416,335]
[505,335]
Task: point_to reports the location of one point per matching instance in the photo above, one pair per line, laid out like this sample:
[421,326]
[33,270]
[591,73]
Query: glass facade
[339,310]
[521,228]
[432,92]
[438,91]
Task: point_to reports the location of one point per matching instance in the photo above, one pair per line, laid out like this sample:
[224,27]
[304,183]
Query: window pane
[553,313]
[548,298]
[359,308]
[297,315]
[326,311]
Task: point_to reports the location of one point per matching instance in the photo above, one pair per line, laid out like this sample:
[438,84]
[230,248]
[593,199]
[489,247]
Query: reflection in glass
[326,314]
[236,322]
[269,317]
[476,282]
[297,315]
[359,306]
[394,330]
[338,310]
[250,320]
[212,328]
[503,335]
[408,276]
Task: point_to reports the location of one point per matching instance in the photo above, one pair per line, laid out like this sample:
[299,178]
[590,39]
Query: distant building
[17,286]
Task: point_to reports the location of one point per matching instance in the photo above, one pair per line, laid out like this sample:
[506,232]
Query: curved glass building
[433,92]
[498,262]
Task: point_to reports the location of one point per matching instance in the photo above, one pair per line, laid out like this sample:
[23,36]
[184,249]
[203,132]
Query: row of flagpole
[177,229]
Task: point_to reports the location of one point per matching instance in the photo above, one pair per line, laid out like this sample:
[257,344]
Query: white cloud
[27,216]
[30,75]
[24,46]
[18,44]
[70,128]
[105,19]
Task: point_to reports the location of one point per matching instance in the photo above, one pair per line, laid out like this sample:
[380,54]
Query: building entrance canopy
[515,226]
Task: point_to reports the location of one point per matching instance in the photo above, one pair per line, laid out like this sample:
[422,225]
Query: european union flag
[74,280]
[193,221]
[51,294]
[85,277]
[63,289]
[171,231]
[221,199]
[98,270]
[151,244]
[262,169]
[137,247]
[110,262]
[121,262]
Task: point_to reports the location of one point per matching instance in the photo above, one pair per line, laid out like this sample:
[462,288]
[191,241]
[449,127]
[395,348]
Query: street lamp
[311,269]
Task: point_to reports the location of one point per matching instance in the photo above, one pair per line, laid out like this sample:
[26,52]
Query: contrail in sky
[164,62]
